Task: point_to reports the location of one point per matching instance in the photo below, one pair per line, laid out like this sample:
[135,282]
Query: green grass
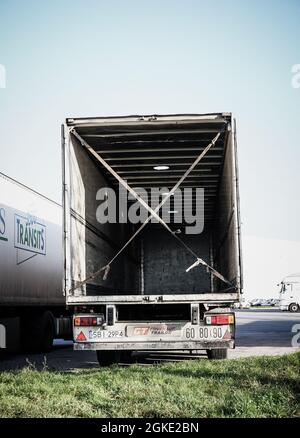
[256,387]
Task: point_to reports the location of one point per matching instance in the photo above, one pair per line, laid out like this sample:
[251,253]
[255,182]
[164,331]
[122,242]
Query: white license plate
[207,333]
[104,334]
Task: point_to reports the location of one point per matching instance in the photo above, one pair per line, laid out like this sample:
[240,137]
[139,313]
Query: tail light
[219,319]
[88,321]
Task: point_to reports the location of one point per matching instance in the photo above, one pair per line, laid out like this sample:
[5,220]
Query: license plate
[105,334]
[207,333]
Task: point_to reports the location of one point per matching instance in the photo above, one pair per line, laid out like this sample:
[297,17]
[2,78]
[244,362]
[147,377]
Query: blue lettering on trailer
[2,225]
[30,234]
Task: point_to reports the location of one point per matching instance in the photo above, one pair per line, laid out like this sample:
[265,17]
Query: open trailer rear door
[134,147]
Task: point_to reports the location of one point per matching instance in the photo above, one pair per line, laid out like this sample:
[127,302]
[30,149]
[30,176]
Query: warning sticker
[81,337]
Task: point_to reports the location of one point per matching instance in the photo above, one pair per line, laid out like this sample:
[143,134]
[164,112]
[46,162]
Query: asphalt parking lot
[259,332]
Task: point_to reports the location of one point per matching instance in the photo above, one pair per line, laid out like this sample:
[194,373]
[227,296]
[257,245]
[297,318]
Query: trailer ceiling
[134,145]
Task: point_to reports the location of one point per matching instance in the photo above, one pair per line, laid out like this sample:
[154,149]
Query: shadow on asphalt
[63,358]
[266,332]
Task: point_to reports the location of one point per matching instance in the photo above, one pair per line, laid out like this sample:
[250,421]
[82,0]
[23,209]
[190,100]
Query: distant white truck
[290,293]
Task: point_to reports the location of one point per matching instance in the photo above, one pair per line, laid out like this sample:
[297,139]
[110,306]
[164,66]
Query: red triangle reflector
[227,335]
[81,337]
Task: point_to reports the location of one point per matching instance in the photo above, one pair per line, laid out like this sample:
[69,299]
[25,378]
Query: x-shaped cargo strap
[153,213]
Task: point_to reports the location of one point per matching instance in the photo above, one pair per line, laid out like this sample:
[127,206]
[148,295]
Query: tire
[293,307]
[107,358]
[48,325]
[38,332]
[126,356]
[217,353]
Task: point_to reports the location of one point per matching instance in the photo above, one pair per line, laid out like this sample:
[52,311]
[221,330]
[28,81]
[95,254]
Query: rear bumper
[161,345]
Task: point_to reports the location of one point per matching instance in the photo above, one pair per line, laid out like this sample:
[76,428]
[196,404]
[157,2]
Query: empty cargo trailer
[151,233]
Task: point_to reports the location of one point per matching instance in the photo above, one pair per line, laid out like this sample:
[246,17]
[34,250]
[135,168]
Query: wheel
[48,332]
[38,332]
[293,307]
[110,357]
[217,353]
[126,356]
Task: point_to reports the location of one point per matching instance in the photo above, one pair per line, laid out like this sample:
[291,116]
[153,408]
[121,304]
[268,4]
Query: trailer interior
[147,152]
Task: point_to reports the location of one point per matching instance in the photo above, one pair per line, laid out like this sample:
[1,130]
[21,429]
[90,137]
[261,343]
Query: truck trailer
[134,280]
[32,306]
[289,295]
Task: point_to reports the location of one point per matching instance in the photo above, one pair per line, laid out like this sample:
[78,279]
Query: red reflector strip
[85,321]
[219,319]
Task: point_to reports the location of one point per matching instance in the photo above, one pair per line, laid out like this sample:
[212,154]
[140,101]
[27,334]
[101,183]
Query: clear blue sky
[86,58]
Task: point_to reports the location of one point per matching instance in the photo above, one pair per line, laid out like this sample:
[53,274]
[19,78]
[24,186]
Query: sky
[90,58]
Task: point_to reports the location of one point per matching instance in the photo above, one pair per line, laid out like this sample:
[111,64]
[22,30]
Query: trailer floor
[259,332]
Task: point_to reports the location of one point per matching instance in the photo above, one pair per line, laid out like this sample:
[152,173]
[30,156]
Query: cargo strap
[153,213]
[213,271]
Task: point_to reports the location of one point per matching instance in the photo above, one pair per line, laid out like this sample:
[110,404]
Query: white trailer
[168,289]
[32,305]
